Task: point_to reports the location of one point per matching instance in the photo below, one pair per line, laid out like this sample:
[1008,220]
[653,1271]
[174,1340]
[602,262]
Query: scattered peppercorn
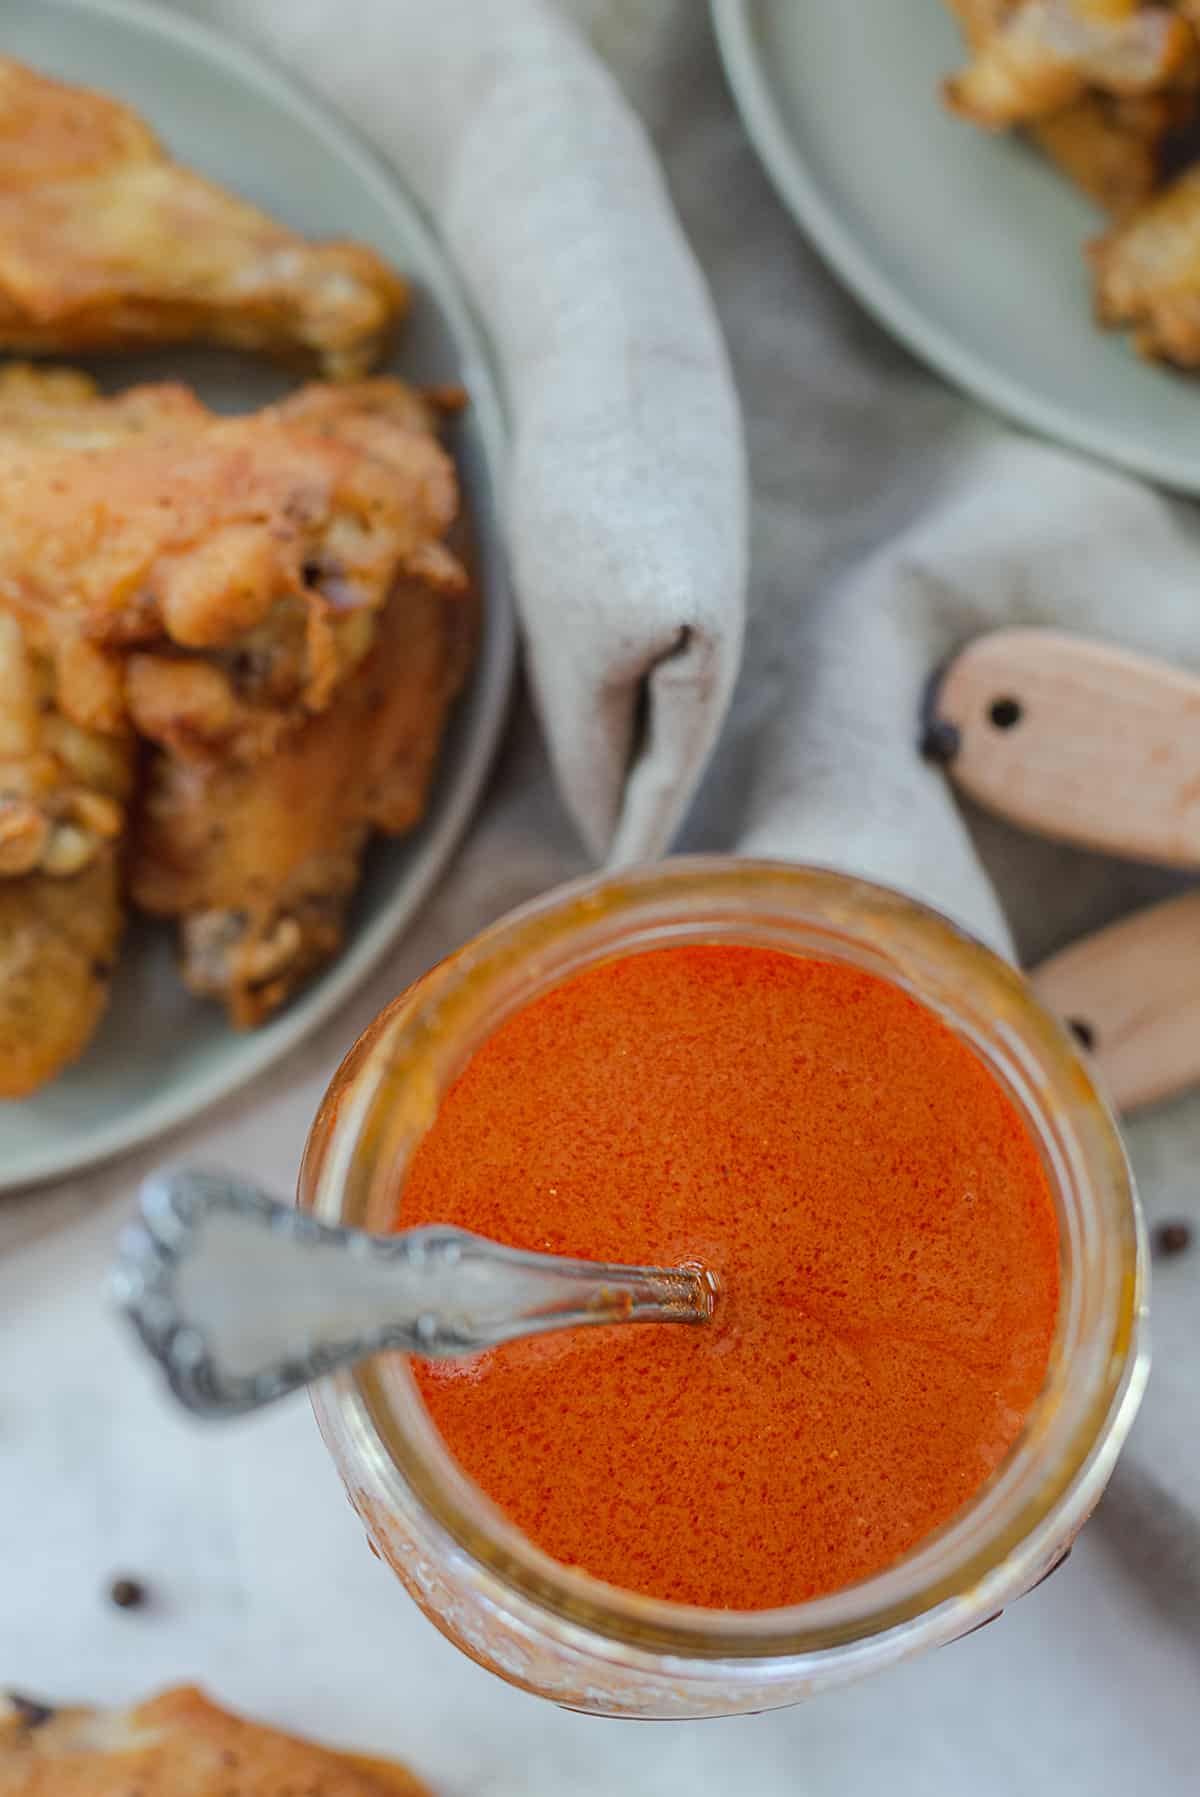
[1171,1239]
[127,1594]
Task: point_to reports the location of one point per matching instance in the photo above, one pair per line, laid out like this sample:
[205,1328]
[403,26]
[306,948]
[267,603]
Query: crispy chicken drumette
[105,243]
[268,602]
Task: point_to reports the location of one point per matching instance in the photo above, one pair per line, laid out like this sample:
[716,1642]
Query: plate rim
[885,299]
[494,671]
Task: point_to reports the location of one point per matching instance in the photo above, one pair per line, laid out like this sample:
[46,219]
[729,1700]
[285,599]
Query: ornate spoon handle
[242,1299]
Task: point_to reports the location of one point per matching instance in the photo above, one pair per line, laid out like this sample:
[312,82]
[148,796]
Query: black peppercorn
[1171,1239]
[127,1594]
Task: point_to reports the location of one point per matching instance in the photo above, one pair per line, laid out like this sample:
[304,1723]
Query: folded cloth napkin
[626,492]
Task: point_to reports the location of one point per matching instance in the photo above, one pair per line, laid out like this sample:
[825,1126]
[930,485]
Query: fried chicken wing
[1110,91]
[212,579]
[63,798]
[105,243]
[179,1744]
[267,602]
[1112,148]
[1147,274]
[1043,55]
[1109,145]
[260,862]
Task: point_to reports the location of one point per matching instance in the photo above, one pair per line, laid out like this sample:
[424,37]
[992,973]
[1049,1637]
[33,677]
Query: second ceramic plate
[966,246]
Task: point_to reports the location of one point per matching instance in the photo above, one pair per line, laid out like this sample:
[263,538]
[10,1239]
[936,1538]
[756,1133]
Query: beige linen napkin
[626,493]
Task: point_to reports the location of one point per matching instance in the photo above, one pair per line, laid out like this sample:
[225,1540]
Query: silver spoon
[242,1299]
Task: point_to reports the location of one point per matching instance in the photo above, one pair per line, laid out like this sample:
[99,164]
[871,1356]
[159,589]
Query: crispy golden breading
[105,244]
[260,862]
[1111,148]
[63,798]
[215,585]
[177,1745]
[980,18]
[1147,274]
[58,945]
[63,408]
[1044,55]
[1109,145]
[1110,91]
[210,578]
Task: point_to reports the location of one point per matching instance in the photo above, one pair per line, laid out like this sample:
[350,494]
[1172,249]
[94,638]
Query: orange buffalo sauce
[886,1242]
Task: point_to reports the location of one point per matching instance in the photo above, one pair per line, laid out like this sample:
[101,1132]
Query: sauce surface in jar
[885,1238]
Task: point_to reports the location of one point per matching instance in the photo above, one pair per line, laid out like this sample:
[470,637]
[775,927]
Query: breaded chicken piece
[64,409]
[212,584]
[58,945]
[211,579]
[1112,148]
[179,1744]
[63,798]
[107,244]
[260,862]
[1044,55]
[1109,146]
[1147,274]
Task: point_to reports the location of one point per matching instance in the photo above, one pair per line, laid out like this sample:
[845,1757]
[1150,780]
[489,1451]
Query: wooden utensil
[1094,745]
[1131,993]
[1073,739]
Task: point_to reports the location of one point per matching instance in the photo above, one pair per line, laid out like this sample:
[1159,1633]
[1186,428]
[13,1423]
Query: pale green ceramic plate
[161,1056]
[966,246]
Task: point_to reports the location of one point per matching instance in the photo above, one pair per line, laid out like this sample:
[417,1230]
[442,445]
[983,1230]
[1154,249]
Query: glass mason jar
[555,1630]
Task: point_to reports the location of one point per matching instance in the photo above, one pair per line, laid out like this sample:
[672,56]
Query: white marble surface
[263,1586]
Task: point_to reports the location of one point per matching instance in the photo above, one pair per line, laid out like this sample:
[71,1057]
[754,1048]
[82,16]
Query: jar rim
[1001,1540]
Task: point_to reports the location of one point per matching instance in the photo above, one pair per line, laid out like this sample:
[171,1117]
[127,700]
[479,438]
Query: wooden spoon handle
[1132,995]
[1073,739]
